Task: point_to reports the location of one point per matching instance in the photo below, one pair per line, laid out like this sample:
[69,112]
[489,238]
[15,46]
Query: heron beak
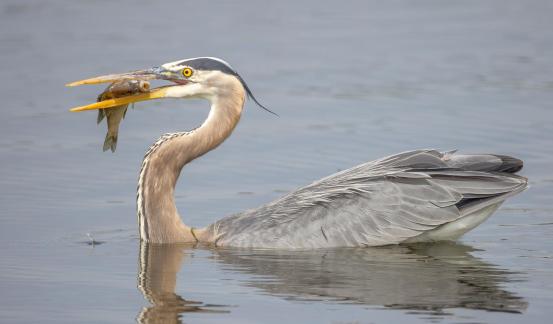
[148,74]
[156,93]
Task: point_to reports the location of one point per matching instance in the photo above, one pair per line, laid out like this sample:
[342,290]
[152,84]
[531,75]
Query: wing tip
[509,164]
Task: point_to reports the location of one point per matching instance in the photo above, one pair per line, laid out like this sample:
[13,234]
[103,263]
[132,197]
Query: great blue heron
[421,195]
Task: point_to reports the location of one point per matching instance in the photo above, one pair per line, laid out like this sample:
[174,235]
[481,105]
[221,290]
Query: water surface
[352,81]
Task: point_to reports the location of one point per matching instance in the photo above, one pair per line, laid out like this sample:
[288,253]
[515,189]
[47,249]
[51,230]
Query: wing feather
[376,203]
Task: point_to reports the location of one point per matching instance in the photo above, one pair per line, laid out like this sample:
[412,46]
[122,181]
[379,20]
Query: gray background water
[352,81]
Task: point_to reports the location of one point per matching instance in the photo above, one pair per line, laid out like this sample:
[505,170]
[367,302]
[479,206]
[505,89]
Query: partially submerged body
[416,196]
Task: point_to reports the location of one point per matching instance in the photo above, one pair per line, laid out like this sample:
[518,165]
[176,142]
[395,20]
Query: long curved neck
[158,218]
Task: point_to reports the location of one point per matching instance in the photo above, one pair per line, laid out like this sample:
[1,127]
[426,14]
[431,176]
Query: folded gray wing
[377,203]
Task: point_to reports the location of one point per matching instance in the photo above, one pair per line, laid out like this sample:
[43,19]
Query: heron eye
[187,72]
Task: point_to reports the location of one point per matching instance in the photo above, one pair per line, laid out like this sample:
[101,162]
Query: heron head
[200,77]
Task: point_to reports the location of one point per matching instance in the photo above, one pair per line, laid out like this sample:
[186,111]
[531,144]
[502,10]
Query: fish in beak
[125,88]
[158,73]
[115,114]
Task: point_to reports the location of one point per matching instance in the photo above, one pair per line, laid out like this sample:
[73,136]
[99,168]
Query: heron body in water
[415,196]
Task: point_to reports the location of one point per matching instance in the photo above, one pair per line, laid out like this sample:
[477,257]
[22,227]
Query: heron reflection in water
[416,196]
[157,280]
[427,278]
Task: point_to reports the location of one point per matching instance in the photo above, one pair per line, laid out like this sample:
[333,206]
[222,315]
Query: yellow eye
[187,72]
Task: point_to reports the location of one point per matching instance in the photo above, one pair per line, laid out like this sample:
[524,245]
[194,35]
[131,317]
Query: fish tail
[101,115]
[110,143]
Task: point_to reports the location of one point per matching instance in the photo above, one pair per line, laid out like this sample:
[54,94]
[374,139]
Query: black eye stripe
[208,64]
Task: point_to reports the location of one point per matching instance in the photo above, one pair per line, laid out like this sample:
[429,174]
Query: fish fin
[110,143]
[125,112]
[101,115]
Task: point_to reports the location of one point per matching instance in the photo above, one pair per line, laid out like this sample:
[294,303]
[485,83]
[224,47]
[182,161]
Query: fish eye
[187,72]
